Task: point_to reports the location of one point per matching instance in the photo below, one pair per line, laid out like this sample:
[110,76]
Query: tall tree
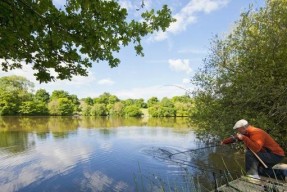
[68,39]
[42,95]
[13,91]
[245,74]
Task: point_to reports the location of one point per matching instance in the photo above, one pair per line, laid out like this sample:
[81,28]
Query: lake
[110,154]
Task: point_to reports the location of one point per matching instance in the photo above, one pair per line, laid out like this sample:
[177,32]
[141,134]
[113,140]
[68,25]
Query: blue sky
[171,58]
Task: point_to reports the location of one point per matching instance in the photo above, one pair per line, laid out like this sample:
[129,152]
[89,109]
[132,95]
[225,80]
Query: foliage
[99,109]
[245,74]
[152,101]
[33,108]
[117,109]
[132,111]
[15,83]
[183,109]
[161,111]
[42,95]
[88,101]
[13,91]
[61,106]
[67,40]
[21,101]
[9,103]
[62,103]
[85,109]
[164,108]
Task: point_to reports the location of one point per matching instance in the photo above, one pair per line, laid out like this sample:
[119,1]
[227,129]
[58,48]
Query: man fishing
[262,149]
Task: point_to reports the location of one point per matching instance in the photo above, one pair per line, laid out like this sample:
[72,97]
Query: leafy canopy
[66,41]
[245,74]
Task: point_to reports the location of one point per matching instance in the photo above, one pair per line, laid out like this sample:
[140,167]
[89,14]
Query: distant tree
[132,111]
[68,39]
[42,95]
[13,91]
[152,101]
[89,101]
[183,109]
[61,106]
[128,102]
[113,99]
[33,108]
[85,109]
[166,102]
[99,109]
[56,94]
[15,83]
[103,98]
[9,103]
[140,103]
[117,109]
[182,99]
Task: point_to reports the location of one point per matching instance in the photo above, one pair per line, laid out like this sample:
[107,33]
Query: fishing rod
[188,163]
[209,169]
[218,145]
[187,91]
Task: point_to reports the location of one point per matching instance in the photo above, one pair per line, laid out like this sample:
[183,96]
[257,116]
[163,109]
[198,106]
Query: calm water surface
[98,154]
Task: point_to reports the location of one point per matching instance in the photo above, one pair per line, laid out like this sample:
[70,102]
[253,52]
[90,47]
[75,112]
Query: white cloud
[158,91]
[28,73]
[106,82]
[187,15]
[193,51]
[159,36]
[180,65]
[126,4]
[186,81]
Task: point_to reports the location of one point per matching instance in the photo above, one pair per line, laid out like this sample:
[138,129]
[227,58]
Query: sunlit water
[87,154]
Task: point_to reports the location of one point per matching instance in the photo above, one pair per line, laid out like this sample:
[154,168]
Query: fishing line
[193,165]
[218,173]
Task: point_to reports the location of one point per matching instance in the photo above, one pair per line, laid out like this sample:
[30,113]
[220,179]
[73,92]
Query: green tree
[129,102]
[61,106]
[85,109]
[132,111]
[113,99]
[13,91]
[182,99]
[70,38]
[151,101]
[56,94]
[9,103]
[140,103]
[89,101]
[42,95]
[103,98]
[117,109]
[183,109]
[99,109]
[245,74]
[15,83]
[33,108]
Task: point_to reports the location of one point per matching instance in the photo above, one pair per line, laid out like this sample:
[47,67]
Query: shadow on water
[203,168]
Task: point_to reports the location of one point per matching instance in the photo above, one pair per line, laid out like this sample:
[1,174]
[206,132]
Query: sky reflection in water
[68,154]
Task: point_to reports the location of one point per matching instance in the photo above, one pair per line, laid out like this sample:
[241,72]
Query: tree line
[18,98]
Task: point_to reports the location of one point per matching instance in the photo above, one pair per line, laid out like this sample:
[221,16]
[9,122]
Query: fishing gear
[170,157]
[231,139]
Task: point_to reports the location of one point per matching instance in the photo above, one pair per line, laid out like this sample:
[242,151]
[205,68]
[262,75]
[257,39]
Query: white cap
[240,123]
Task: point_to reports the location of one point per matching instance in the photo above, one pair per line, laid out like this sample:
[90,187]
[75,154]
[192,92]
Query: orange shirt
[256,139]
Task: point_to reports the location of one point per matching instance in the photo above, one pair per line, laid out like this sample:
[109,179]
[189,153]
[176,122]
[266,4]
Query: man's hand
[239,136]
